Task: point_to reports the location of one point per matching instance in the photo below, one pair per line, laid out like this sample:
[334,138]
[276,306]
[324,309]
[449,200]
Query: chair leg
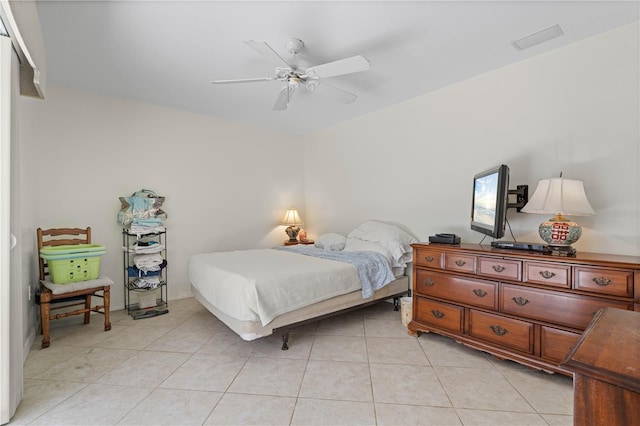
[107,302]
[45,298]
[87,305]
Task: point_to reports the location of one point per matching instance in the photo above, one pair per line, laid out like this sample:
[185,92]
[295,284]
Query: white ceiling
[167,52]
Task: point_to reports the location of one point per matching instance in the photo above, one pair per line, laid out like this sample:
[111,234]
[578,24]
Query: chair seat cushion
[101,281]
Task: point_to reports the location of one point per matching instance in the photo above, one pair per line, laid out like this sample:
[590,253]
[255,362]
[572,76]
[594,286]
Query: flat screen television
[490,199]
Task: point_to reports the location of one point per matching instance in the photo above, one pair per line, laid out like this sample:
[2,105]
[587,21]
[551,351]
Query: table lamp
[561,197]
[292,220]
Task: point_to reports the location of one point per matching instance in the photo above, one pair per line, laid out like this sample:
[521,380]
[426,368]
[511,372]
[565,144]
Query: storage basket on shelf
[73,263]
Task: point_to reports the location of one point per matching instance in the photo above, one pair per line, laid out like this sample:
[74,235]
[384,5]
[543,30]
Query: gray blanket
[373,268]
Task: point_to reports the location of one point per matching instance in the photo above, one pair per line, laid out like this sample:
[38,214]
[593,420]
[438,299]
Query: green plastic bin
[73,263]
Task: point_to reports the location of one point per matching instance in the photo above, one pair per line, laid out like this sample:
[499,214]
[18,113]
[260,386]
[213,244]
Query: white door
[11,359]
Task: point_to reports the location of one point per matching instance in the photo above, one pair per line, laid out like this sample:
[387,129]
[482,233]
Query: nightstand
[293,243]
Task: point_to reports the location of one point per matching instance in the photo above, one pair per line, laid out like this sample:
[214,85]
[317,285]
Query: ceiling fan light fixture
[294,82]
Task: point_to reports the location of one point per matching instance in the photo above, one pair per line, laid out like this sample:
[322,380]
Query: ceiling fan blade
[338,94]
[284,98]
[265,50]
[343,66]
[243,80]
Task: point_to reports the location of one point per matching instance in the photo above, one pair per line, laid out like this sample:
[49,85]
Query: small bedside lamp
[560,197]
[292,220]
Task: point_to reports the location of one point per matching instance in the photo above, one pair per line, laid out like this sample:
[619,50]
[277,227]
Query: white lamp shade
[291,218]
[559,195]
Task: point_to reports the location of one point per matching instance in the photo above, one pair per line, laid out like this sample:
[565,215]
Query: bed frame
[250,330]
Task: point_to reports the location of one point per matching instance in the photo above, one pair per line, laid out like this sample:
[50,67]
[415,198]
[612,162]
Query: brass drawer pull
[498,268]
[436,313]
[602,281]
[498,330]
[460,262]
[429,282]
[520,300]
[547,274]
[480,292]
[428,258]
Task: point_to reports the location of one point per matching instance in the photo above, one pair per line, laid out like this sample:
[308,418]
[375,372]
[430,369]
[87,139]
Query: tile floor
[187,368]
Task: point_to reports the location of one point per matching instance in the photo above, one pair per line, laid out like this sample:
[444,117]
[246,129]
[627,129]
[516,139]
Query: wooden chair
[72,294]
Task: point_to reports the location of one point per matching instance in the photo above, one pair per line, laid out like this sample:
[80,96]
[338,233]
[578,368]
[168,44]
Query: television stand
[525,306]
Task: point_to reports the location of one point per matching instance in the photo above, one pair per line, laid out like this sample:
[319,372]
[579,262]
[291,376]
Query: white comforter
[260,284]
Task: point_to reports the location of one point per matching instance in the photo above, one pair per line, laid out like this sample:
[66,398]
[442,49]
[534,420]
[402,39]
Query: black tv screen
[490,198]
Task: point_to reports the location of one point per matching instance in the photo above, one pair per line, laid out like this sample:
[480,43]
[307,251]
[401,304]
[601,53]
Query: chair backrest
[59,237]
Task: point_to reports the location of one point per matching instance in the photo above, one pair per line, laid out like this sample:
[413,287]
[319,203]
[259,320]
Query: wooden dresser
[525,306]
[606,363]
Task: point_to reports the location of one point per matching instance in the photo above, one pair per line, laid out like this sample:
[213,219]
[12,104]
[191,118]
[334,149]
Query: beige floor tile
[385,350]
[339,348]
[395,415]
[346,381]
[383,311]
[385,328]
[497,418]
[41,396]
[443,351]
[193,364]
[81,336]
[147,369]
[204,320]
[40,361]
[132,337]
[188,304]
[243,409]
[557,420]
[166,321]
[95,405]
[547,393]
[482,389]
[349,324]
[173,407]
[205,372]
[271,346]
[226,342]
[323,412]
[181,339]
[87,367]
[397,384]
[270,376]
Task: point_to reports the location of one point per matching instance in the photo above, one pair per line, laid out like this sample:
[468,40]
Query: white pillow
[397,241]
[331,242]
[354,244]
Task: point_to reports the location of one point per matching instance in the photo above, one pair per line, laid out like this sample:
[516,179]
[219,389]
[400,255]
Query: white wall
[226,185]
[573,110]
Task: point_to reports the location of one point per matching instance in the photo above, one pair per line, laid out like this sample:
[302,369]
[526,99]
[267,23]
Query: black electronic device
[490,201]
[445,239]
[514,245]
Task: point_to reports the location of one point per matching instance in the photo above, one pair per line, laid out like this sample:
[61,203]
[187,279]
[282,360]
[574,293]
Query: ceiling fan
[294,75]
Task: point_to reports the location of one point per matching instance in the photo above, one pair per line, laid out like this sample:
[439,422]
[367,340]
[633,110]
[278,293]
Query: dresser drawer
[440,315]
[606,281]
[460,290]
[500,268]
[460,262]
[555,344]
[427,257]
[553,307]
[552,275]
[503,331]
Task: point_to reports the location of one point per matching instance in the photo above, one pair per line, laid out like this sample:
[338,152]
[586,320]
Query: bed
[262,291]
